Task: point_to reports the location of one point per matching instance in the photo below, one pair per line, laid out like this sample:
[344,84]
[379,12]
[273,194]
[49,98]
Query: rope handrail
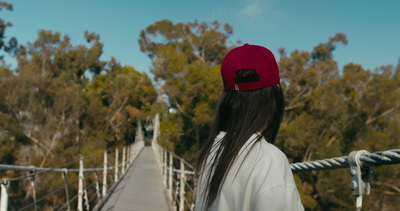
[176,178]
[68,202]
[129,154]
[190,188]
[359,162]
[175,170]
[92,198]
[368,159]
[44,197]
[42,170]
[183,160]
[45,170]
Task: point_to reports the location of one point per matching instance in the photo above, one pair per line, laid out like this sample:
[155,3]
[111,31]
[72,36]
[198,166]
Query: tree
[186,59]
[124,94]
[329,114]
[53,112]
[47,97]
[12,44]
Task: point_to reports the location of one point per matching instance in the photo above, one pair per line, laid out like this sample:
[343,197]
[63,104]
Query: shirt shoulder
[267,155]
[270,166]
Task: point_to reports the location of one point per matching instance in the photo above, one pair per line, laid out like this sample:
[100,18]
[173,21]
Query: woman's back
[259,179]
[239,168]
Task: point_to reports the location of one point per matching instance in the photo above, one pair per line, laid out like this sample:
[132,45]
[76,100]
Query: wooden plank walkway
[141,188]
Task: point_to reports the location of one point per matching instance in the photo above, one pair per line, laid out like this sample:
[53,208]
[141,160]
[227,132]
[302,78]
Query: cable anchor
[360,176]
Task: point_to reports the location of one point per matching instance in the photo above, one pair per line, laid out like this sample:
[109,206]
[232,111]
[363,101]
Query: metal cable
[69,202]
[185,172]
[187,184]
[93,197]
[176,198]
[91,184]
[331,163]
[179,158]
[368,159]
[44,170]
[187,202]
[380,158]
[37,170]
[44,197]
[72,181]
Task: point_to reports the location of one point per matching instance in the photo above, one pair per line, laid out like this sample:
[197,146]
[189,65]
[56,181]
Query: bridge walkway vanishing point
[141,188]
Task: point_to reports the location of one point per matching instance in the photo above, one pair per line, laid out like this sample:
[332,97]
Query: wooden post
[97,187]
[80,186]
[5,184]
[182,187]
[104,190]
[165,167]
[65,178]
[116,166]
[128,156]
[133,153]
[123,159]
[33,186]
[171,164]
[85,196]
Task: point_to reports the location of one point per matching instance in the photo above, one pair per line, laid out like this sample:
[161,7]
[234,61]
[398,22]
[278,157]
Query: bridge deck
[141,188]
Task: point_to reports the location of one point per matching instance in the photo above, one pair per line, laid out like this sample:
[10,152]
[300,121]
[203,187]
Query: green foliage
[50,111]
[56,107]
[186,59]
[328,113]
[10,46]
[124,91]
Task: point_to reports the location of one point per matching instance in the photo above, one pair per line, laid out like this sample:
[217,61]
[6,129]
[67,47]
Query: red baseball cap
[253,57]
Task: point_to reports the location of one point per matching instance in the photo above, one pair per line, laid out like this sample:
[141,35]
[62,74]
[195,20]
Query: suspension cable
[41,170]
[47,195]
[368,159]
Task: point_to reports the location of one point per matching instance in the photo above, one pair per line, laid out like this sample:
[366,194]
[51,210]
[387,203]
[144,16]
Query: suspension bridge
[145,176]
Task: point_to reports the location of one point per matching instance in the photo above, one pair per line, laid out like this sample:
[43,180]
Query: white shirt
[263,182]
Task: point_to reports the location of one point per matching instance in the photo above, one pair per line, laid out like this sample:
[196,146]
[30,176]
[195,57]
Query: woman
[239,168]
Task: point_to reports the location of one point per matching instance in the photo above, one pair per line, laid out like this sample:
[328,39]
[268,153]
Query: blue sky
[372,27]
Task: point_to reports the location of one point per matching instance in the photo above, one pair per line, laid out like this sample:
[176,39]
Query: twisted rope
[368,159]
[381,158]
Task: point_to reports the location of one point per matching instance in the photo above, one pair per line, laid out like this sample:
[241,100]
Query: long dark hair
[240,114]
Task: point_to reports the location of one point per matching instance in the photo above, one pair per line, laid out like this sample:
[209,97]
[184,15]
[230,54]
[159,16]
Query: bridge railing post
[165,167]
[116,166]
[32,178]
[97,187]
[171,164]
[131,153]
[85,196]
[65,178]
[5,184]
[80,185]
[104,189]
[123,159]
[128,161]
[182,187]
[176,194]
